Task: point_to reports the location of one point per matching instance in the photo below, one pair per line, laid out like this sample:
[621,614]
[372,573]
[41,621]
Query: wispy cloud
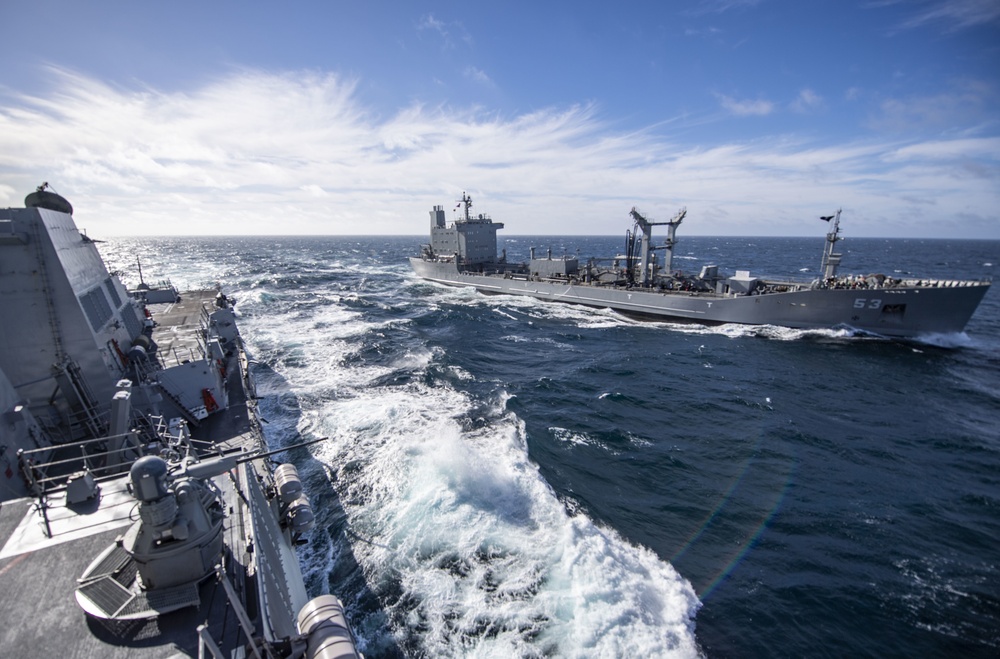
[807,101]
[477,75]
[702,32]
[954,14]
[947,150]
[745,107]
[721,6]
[447,30]
[298,153]
[957,14]
[966,102]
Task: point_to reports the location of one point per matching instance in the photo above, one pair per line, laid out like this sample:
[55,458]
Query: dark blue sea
[509,478]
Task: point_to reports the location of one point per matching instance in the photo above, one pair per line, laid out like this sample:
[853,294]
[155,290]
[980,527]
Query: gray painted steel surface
[92,380]
[890,307]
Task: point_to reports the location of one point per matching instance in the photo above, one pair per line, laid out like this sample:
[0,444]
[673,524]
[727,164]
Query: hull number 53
[865,303]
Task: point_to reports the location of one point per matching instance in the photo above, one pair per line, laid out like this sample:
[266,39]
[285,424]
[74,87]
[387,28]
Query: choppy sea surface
[509,478]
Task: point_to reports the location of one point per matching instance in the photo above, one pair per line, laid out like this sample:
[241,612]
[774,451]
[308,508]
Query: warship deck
[178,325]
[38,574]
[177,334]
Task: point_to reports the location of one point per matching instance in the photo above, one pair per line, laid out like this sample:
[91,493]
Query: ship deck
[38,578]
[178,325]
[39,569]
[177,335]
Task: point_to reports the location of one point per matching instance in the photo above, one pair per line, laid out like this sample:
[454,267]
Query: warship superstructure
[141,514]
[637,283]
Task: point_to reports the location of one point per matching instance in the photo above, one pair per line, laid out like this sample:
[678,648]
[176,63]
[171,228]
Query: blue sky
[558,117]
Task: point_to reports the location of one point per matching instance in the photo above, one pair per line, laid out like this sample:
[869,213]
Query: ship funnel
[437,217]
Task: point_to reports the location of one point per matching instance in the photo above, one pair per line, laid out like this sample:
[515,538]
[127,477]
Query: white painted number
[861,303]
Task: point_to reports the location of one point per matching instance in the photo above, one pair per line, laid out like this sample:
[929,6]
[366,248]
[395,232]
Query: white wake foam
[489,561]
[468,549]
[948,340]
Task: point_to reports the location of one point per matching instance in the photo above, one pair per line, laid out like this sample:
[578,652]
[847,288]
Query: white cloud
[428,22]
[966,102]
[314,190]
[807,101]
[444,30]
[745,107]
[722,6]
[954,14]
[296,153]
[476,75]
[947,150]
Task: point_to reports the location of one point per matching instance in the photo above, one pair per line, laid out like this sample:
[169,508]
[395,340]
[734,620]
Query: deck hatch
[107,595]
[110,564]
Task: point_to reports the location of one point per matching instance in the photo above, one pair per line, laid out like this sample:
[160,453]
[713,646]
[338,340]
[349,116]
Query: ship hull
[901,312]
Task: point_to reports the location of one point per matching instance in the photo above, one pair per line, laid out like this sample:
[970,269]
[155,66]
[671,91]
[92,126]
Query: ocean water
[509,478]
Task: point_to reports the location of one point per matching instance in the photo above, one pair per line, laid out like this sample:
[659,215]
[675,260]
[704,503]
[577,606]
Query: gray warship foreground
[140,514]
[465,254]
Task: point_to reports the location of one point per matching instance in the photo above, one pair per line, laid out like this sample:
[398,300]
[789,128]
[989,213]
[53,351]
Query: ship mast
[467,202]
[831,259]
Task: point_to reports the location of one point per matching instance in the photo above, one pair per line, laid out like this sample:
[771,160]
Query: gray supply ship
[464,253]
[140,512]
